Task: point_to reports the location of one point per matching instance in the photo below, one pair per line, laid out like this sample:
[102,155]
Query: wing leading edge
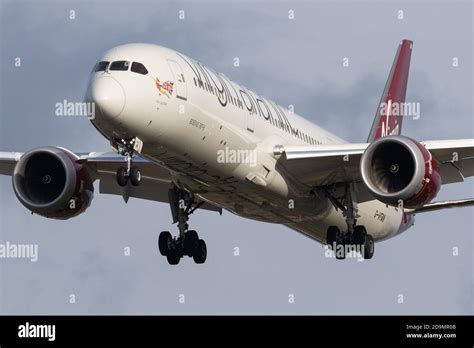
[322,165]
[102,166]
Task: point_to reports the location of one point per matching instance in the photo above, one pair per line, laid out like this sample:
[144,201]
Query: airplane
[185,135]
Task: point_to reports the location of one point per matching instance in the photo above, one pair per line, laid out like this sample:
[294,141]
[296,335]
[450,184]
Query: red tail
[389,116]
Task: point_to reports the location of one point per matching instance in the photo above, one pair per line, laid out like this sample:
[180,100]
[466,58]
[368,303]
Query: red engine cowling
[51,182]
[397,168]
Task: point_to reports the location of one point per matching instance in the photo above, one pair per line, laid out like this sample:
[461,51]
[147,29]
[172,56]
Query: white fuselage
[217,138]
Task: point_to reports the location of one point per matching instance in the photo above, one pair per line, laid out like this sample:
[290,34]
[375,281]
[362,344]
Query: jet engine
[51,182]
[399,169]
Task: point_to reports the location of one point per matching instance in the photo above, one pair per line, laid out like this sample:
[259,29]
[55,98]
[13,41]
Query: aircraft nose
[108,96]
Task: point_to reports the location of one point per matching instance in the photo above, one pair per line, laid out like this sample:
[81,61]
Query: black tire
[359,235]
[369,247]
[122,177]
[331,235]
[200,254]
[340,251]
[173,257]
[163,242]
[135,176]
[191,242]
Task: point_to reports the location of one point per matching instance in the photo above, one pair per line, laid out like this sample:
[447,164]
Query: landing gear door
[180,83]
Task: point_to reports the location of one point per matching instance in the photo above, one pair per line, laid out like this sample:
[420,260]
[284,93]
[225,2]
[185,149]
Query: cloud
[291,62]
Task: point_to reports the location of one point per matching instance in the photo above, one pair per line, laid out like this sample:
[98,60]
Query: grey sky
[295,62]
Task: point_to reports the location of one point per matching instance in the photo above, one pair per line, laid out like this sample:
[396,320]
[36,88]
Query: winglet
[386,121]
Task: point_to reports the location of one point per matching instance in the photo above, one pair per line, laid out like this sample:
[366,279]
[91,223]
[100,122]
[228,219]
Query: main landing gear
[356,235]
[188,243]
[128,148]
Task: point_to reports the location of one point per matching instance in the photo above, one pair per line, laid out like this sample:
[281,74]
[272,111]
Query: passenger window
[120,65]
[138,68]
[101,66]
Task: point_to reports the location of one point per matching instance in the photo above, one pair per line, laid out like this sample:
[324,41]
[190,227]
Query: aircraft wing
[8,161]
[156,180]
[323,165]
[456,158]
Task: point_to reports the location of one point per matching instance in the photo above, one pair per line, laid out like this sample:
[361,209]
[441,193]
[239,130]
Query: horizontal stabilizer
[441,205]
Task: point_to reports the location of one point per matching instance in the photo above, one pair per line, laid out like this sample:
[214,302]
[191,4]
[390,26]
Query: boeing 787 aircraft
[186,135]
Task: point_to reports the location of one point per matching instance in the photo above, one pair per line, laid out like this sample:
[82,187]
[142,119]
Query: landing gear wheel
[344,199]
[332,235]
[359,235]
[135,176]
[191,242]
[200,253]
[122,177]
[173,257]
[340,251]
[369,247]
[188,242]
[164,241]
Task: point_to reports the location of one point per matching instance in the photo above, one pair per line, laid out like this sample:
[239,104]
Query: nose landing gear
[182,205]
[128,148]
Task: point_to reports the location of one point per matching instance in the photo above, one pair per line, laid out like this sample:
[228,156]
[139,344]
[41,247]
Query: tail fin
[386,121]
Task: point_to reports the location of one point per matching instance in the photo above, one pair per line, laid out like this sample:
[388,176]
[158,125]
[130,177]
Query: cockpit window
[139,68]
[120,65]
[101,66]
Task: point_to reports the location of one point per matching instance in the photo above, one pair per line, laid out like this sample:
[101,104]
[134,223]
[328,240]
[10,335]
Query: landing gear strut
[356,235]
[128,148]
[182,205]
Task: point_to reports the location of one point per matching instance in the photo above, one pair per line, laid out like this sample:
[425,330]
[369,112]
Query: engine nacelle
[397,168]
[51,182]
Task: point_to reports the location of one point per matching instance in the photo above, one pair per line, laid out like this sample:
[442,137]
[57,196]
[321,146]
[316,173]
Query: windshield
[101,66]
[139,68]
[120,65]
